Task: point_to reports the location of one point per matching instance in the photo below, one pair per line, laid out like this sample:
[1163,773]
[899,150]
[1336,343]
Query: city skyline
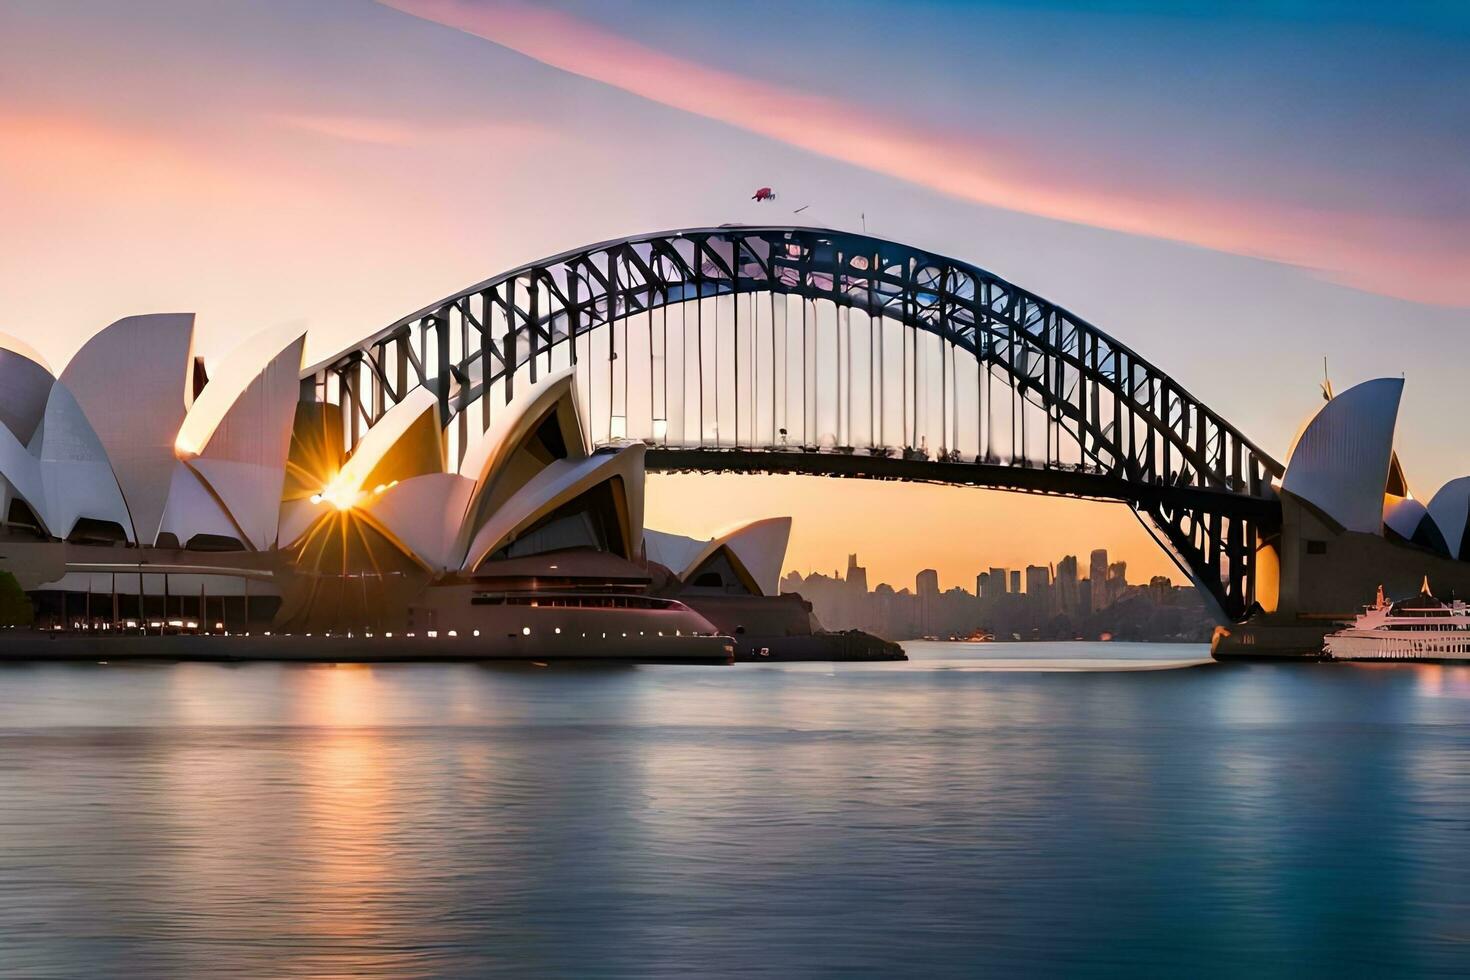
[873,583]
[1037,602]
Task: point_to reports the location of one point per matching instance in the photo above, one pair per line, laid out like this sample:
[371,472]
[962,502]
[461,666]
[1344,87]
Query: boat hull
[1449,647]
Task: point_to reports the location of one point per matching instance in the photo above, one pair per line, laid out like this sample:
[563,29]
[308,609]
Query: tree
[15,605]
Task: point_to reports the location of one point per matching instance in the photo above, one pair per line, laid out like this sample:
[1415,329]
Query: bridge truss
[765,349]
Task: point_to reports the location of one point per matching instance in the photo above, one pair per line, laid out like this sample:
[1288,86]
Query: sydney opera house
[143,497]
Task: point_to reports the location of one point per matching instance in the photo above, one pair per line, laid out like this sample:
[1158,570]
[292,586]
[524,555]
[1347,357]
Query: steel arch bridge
[803,350]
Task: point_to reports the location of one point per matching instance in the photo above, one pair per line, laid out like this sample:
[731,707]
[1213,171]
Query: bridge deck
[1065,481]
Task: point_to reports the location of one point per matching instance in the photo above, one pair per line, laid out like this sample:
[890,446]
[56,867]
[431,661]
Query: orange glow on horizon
[897,530]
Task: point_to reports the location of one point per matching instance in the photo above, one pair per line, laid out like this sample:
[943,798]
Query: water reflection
[307,821]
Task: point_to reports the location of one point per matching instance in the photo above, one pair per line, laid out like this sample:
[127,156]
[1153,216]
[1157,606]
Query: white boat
[1421,628]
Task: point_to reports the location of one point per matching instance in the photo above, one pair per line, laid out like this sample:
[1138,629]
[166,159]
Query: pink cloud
[388,131]
[1408,257]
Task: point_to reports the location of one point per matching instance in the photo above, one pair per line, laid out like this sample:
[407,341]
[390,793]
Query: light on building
[558,631]
[525,631]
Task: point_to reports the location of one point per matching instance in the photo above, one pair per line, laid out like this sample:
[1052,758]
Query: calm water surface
[930,818]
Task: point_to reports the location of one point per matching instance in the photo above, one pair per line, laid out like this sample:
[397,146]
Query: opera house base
[21,645]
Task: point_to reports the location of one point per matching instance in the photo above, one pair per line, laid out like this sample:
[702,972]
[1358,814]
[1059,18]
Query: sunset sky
[1235,195]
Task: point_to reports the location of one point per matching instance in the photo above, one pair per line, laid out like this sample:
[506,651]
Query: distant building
[1098,575]
[1038,588]
[1015,583]
[857,576]
[1117,581]
[926,583]
[998,580]
[982,585]
[1064,586]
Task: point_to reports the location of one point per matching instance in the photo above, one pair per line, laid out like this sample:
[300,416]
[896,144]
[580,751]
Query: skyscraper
[982,585]
[1016,582]
[1038,589]
[1117,581]
[1064,586]
[927,582]
[1098,573]
[997,581]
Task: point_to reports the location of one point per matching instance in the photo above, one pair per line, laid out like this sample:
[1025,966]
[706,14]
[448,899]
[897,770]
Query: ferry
[1423,628]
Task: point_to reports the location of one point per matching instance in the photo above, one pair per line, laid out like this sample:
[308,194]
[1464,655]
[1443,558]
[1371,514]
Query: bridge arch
[893,352]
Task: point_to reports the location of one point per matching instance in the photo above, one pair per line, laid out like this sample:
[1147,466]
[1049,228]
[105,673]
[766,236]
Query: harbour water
[1006,808]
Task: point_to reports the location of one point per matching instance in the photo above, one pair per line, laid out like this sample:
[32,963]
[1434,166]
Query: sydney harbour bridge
[743,349]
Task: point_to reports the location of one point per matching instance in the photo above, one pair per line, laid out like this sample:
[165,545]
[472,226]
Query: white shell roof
[562,481]
[760,546]
[236,413]
[1450,508]
[23,472]
[237,434]
[676,552]
[1340,462]
[422,514]
[25,384]
[133,382]
[75,470]
[192,509]
[488,459]
[379,441]
[1403,515]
